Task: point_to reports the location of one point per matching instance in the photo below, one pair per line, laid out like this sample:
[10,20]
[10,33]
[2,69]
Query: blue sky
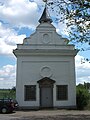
[18,19]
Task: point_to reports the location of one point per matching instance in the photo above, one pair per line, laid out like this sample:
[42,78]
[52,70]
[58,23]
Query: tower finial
[45,1]
[45,16]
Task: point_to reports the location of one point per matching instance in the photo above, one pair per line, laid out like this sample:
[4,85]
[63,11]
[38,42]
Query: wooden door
[46,97]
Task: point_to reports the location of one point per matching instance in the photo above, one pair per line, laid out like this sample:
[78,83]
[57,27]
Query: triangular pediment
[46,82]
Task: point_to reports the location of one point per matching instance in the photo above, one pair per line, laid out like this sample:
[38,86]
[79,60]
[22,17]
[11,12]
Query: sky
[18,20]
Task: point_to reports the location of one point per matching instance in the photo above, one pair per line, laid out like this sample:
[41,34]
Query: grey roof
[45,17]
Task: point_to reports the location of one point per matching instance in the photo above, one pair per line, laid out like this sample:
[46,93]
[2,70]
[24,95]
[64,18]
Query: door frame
[43,83]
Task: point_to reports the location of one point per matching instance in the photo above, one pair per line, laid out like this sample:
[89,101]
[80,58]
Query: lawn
[7,93]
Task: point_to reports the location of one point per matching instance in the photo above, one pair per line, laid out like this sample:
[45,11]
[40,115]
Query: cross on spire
[45,16]
[45,1]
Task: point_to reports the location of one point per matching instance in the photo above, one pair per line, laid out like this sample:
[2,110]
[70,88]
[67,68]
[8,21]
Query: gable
[45,34]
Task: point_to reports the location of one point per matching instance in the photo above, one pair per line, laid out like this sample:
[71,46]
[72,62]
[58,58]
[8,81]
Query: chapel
[45,69]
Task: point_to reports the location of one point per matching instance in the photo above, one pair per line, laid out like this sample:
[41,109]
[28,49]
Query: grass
[7,93]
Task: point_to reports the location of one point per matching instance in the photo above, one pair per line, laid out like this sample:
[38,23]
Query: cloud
[18,13]
[8,39]
[82,70]
[7,76]
[62,29]
[39,2]
[21,13]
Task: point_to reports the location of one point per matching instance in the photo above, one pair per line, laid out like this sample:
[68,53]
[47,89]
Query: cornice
[44,52]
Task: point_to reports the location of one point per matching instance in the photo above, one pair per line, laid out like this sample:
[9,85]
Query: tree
[87,85]
[12,93]
[76,14]
[14,88]
[82,96]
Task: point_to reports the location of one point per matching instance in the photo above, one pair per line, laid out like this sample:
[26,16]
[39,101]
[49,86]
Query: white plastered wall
[29,72]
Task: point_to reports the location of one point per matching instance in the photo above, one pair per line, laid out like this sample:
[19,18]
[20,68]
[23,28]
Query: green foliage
[88,106]
[76,14]
[8,93]
[87,85]
[82,97]
[4,93]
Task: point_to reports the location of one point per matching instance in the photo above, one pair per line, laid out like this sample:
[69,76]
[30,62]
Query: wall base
[40,108]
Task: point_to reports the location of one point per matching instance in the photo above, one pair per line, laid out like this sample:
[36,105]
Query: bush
[82,97]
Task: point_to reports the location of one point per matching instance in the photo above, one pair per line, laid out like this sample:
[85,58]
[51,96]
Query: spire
[45,16]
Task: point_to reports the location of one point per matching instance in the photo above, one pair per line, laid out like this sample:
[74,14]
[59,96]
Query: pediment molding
[46,82]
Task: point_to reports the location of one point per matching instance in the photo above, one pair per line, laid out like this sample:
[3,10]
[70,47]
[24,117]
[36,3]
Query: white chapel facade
[45,69]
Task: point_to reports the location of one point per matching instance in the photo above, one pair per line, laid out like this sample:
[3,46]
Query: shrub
[82,97]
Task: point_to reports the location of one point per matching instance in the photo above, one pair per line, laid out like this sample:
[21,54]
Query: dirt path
[69,117]
[48,115]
